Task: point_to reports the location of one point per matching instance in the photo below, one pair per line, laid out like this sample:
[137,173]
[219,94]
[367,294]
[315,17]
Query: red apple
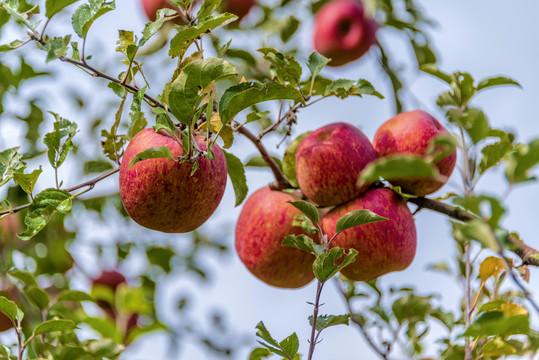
[5,323]
[383,246]
[111,279]
[151,6]
[11,294]
[162,194]
[240,8]
[265,220]
[328,162]
[343,32]
[411,133]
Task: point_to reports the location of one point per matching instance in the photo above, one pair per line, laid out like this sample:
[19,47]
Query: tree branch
[523,251]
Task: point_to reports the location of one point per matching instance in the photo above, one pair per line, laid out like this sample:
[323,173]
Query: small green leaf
[10,163]
[324,266]
[27,181]
[496,81]
[258,161]
[39,297]
[289,159]
[162,16]
[160,256]
[434,71]
[284,68]
[316,63]
[59,141]
[56,47]
[259,353]
[288,28]
[325,321]
[494,323]
[49,198]
[493,154]
[241,96]
[97,166]
[308,209]
[356,218]
[74,295]
[290,346]
[236,171]
[287,348]
[480,231]
[521,161]
[54,325]
[397,167]
[8,308]
[411,308]
[53,7]
[343,88]
[187,35]
[302,242]
[26,277]
[153,153]
[86,14]
[138,121]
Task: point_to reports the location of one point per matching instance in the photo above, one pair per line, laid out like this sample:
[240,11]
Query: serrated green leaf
[325,321]
[236,171]
[241,96]
[289,159]
[58,147]
[86,14]
[308,209]
[494,323]
[39,297]
[34,224]
[324,266]
[343,88]
[270,343]
[290,346]
[184,96]
[356,218]
[138,121]
[27,181]
[74,295]
[187,35]
[15,44]
[48,198]
[258,161]
[397,167]
[153,153]
[473,120]
[480,231]
[162,16]
[496,81]
[52,7]
[207,8]
[302,242]
[10,163]
[284,68]
[54,325]
[493,154]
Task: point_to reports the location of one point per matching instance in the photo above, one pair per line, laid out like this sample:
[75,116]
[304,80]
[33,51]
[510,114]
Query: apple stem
[314,337]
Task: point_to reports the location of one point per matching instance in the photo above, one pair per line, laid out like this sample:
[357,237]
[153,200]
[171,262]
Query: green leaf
[86,14]
[241,96]
[521,161]
[434,71]
[287,348]
[496,323]
[473,120]
[138,121]
[258,161]
[97,166]
[475,204]
[302,242]
[343,88]
[290,346]
[52,7]
[308,209]
[56,47]
[5,351]
[54,325]
[153,153]
[478,230]
[289,159]
[207,8]
[493,154]
[498,347]
[316,63]
[356,218]
[259,353]
[397,167]
[15,44]
[47,199]
[8,308]
[39,297]
[324,267]
[288,28]
[325,321]
[27,181]
[411,308]
[496,81]
[187,35]
[243,55]
[423,53]
[163,15]
[106,328]
[58,148]
[185,94]
[10,163]
[236,171]
[24,276]
[160,256]
[74,295]
[284,68]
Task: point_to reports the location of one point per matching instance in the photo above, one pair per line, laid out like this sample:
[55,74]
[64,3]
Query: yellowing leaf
[225,132]
[511,309]
[490,267]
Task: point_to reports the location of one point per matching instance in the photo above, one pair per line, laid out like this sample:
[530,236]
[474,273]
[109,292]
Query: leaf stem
[314,337]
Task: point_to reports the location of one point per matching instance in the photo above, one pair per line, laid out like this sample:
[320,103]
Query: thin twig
[315,317]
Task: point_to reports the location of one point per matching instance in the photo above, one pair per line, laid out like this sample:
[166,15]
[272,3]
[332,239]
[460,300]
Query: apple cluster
[328,163]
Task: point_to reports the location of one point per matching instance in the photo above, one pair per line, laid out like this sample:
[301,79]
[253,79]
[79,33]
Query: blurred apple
[383,246]
[240,8]
[162,194]
[343,32]
[328,162]
[265,220]
[411,133]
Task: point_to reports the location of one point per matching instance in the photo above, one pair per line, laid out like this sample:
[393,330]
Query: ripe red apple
[328,162]
[151,6]
[240,8]
[383,246]
[411,133]
[265,220]
[161,194]
[343,32]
